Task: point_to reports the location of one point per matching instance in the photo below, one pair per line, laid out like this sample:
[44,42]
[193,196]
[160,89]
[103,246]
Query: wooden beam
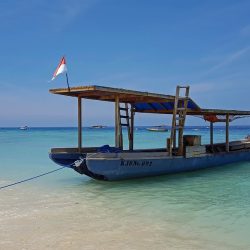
[131,96]
[182,116]
[116,122]
[82,90]
[167,111]
[173,128]
[227,132]
[224,112]
[118,128]
[127,98]
[79,124]
[199,113]
[211,135]
[131,137]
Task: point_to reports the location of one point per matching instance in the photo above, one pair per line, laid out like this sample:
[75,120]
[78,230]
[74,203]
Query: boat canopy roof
[146,102]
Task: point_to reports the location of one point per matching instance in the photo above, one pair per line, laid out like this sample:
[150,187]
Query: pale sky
[141,45]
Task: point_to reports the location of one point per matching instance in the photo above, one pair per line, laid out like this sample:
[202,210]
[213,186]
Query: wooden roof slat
[83,91]
[225,112]
[101,93]
[200,112]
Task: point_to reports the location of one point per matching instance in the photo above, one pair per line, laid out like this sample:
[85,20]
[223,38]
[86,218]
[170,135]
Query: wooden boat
[182,153]
[157,129]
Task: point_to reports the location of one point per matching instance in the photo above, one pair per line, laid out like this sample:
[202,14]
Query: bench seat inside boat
[128,155]
[156,152]
[233,146]
[95,149]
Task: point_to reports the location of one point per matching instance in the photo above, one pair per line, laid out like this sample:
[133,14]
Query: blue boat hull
[69,159]
[118,168]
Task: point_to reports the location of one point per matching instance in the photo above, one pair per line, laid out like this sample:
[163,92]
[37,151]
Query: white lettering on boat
[135,163]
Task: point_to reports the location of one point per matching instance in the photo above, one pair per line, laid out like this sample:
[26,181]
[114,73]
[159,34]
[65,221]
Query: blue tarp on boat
[169,106]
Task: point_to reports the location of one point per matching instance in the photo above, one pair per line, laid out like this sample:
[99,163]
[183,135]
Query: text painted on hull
[133,163]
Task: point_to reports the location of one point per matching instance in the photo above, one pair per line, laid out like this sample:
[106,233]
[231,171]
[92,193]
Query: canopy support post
[79,124]
[212,135]
[227,132]
[131,136]
[117,123]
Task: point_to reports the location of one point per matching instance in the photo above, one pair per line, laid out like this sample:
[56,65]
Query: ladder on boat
[178,119]
[126,119]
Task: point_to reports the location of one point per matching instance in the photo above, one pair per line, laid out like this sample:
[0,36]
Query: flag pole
[67,81]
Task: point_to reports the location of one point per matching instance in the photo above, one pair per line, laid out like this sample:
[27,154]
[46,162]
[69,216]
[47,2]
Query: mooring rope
[31,178]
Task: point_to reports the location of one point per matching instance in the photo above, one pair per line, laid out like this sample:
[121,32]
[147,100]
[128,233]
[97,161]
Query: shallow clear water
[208,209]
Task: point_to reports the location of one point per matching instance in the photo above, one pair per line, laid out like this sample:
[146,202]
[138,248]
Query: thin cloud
[245,31]
[54,15]
[61,14]
[230,59]
[202,87]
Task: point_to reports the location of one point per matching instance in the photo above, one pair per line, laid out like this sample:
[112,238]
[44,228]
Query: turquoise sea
[208,209]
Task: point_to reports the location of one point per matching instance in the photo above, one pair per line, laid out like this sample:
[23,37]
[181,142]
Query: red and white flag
[61,68]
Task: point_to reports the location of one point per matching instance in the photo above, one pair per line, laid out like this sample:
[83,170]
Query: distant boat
[24,128]
[98,126]
[158,129]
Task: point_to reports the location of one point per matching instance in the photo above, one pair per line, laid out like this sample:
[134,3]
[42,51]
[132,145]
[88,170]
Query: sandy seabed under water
[207,209]
[33,219]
